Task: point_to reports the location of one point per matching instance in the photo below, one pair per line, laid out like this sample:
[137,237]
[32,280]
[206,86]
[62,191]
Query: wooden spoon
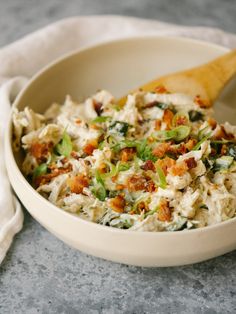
[206,81]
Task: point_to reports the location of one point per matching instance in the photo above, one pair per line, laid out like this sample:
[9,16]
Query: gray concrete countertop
[43,275]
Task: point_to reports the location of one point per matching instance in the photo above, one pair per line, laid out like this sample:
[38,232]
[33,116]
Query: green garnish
[232,151]
[119,127]
[100,119]
[162,178]
[205,132]
[195,115]
[144,152]
[223,163]
[123,167]
[151,212]
[178,134]
[40,170]
[198,145]
[99,190]
[182,132]
[64,147]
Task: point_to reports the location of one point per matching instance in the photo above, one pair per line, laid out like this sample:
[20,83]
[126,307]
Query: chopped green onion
[162,178]
[40,170]
[178,134]
[64,147]
[163,135]
[151,212]
[198,145]
[99,188]
[100,119]
[144,152]
[182,132]
[123,167]
[203,133]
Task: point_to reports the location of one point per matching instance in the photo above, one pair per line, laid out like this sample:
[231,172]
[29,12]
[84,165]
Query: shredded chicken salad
[158,163]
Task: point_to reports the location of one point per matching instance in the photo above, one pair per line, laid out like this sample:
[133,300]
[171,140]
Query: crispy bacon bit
[74,155]
[191,163]
[157,125]
[127,154]
[212,123]
[102,168]
[223,150]
[164,212]
[190,144]
[166,164]
[114,178]
[150,186]
[64,160]
[97,107]
[120,187]
[167,118]
[55,172]
[77,183]
[222,134]
[78,121]
[179,169]
[181,149]
[148,165]
[161,149]
[136,183]
[161,89]
[117,203]
[200,102]
[181,120]
[90,146]
[142,206]
[40,150]
[95,126]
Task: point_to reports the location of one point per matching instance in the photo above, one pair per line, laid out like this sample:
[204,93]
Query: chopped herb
[144,152]
[161,105]
[198,145]
[162,178]
[223,163]
[40,170]
[195,115]
[232,151]
[163,135]
[182,132]
[64,147]
[151,212]
[178,134]
[123,167]
[99,188]
[100,119]
[119,127]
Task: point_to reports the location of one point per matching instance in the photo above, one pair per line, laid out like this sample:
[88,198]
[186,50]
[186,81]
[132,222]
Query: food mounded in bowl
[117,66]
[159,162]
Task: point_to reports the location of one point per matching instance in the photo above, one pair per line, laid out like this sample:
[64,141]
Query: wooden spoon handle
[207,80]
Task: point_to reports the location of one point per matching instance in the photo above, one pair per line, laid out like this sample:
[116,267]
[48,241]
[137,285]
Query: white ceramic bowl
[117,66]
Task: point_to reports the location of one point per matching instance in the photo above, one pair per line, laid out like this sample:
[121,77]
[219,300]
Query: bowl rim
[77,219]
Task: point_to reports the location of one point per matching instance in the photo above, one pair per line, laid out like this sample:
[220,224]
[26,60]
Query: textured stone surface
[41,274]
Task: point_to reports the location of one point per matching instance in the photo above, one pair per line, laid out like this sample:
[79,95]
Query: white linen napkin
[23,58]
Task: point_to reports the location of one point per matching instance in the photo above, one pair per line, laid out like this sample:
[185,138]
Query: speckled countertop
[43,275]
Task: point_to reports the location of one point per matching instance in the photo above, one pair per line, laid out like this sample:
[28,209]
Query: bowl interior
[118,66]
